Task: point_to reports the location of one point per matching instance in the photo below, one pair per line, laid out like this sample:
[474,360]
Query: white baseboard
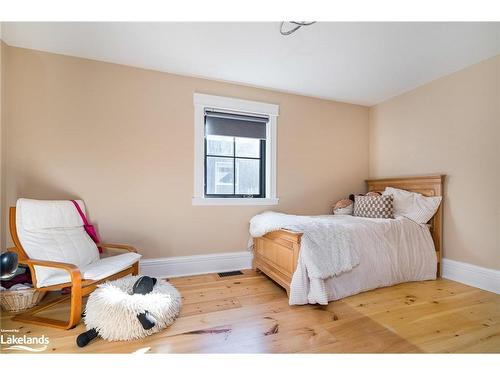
[196,264]
[466,273]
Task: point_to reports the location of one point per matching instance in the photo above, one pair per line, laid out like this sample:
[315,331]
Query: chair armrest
[74,271]
[117,246]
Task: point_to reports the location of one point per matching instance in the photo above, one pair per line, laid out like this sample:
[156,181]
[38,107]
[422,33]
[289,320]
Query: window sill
[201,201]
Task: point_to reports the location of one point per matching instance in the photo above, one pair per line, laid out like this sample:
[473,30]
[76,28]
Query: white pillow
[344,211]
[413,206]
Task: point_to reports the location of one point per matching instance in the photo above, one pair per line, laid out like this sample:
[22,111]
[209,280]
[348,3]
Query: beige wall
[450,126]
[121,138]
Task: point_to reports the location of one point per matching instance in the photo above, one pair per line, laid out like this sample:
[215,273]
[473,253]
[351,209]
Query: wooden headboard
[426,185]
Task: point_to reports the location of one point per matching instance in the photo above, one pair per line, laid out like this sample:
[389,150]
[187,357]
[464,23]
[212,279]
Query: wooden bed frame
[276,254]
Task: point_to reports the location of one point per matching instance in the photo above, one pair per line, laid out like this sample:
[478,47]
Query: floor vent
[230,273]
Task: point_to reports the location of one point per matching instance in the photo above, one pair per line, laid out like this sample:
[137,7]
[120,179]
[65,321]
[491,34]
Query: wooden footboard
[276,254]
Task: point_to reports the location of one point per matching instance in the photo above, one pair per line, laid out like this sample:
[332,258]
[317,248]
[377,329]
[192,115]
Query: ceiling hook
[298,25]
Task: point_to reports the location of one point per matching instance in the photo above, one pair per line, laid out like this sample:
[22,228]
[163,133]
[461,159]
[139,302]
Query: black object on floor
[84,338]
[230,273]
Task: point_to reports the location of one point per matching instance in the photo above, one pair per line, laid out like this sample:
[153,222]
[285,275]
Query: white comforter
[327,246]
[371,253]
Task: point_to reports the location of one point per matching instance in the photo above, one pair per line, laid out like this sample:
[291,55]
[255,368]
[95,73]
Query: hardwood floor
[250,314]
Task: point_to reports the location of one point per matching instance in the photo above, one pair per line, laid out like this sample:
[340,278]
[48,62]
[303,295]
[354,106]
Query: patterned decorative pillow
[380,206]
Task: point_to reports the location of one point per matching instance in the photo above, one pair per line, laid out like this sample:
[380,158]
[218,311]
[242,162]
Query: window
[234,151]
[235,155]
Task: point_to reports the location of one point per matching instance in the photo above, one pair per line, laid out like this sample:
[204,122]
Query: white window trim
[202,102]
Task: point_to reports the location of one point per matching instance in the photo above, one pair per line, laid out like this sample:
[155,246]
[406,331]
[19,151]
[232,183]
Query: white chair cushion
[97,270]
[53,230]
[108,266]
[41,214]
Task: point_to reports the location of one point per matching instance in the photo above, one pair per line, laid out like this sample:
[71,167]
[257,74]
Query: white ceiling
[363,63]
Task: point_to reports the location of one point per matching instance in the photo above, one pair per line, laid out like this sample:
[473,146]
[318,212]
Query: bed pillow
[343,207]
[379,206]
[413,206]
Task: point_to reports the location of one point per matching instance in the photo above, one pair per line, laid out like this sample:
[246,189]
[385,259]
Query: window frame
[202,102]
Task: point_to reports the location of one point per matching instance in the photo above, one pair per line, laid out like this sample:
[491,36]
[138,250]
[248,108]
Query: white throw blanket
[326,246]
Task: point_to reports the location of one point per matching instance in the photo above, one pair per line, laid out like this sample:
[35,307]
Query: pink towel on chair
[89,228]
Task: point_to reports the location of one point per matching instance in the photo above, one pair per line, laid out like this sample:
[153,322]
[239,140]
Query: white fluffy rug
[112,309]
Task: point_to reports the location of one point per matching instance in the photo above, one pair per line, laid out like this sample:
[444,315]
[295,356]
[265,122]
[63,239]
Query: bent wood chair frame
[79,287]
[276,254]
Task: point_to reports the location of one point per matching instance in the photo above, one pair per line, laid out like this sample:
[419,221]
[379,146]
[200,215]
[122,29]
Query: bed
[277,253]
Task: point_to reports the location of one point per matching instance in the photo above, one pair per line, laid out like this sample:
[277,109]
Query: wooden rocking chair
[48,272]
